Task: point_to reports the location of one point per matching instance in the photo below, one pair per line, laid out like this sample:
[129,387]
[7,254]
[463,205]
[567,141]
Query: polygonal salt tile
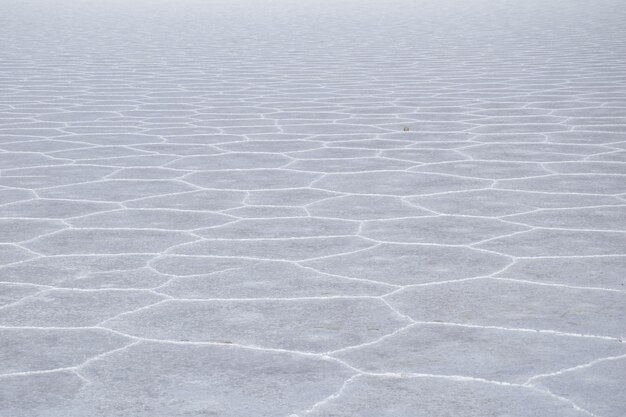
[412,264]
[349,165]
[115,241]
[396,183]
[115,139]
[274,146]
[51,270]
[179,149]
[430,126]
[364,207]
[9,139]
[252,179]
[135,161]
[115,190]
[610,157]
[10,254]
[485,169]
[600,272]
[371,144]
[39,395]
[235,160]
[312,325]
[247,130]
[160,113]
[18,230]
[521,118]
[25,131]
[266,212]
[598,112]
[512,113]
[587,167]
[134,278]
[26,350]
[236,109]
[573,183]
[54,209]
[27,159]
[269,279]
[211,200]
[279,137]
[599,218]
[10,293]
[451,230]
[162,379]
[617,127]
[493,302]
[152,218]
[176,131]
[495,203]
[519,128]
[598,388]
[424,155]
[9,195]
[147,173]
[281,228]
[75,116]
[432,140]
[296,249]
[52,176]
[95,152]
[333,153]
[535,153]
[330,128]
[591,138]
[510,137]
[428,397]
[183,265]
[550,242]
[282,115]
[67,308]
[389,110]
[294,197]
[493,354]
[264,126]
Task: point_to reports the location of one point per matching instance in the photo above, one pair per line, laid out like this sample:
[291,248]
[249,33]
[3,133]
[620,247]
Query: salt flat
[312,208]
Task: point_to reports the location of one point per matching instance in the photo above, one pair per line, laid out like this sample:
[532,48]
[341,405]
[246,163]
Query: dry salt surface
[408,208]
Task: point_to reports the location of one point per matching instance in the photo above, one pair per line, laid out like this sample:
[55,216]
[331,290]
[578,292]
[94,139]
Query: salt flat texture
[214,208]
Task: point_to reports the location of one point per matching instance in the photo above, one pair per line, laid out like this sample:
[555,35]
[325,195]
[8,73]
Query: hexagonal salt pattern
[296,209]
